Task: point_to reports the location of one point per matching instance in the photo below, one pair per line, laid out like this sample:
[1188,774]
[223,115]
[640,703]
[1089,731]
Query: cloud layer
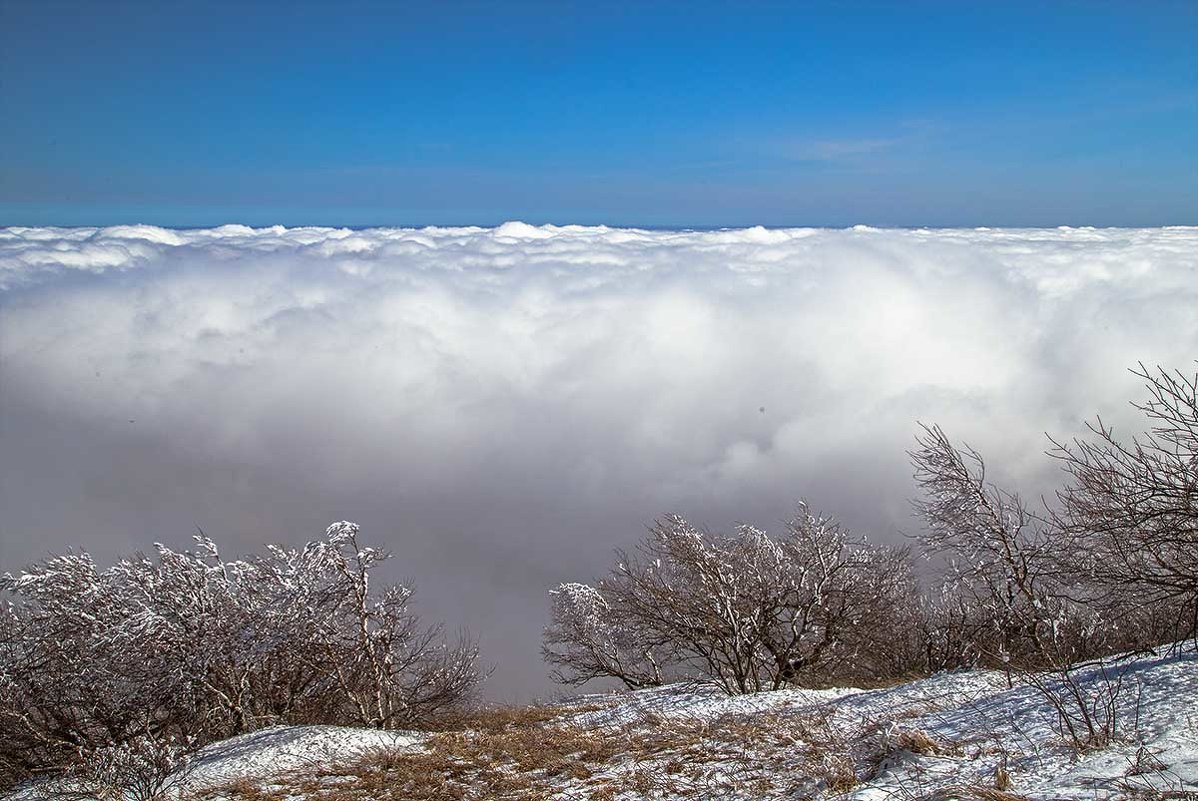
[504,406]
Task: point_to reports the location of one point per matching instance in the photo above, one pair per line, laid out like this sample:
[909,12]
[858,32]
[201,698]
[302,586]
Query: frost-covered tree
[591,637]
[1131,507]
[1114,565]
[69,679]
[387,666]
[998,553]
[189,645]
[1012,592]
[745,610]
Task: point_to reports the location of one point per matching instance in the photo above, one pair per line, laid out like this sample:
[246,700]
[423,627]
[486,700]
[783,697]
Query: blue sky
[689,114]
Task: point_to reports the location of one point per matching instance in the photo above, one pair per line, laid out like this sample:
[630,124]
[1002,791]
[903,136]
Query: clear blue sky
[702,114]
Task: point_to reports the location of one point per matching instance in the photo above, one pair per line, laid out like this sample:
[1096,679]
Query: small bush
[191,647]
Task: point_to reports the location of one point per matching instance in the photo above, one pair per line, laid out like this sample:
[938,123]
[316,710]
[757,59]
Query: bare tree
[1002,567]
[1132,507]
[745,610]
[952,627]
[187,645]
[68,682]
[385,666]
[592,637]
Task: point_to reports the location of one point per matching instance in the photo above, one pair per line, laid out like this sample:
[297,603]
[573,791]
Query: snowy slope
[948,736]
[981,723]
[281,749]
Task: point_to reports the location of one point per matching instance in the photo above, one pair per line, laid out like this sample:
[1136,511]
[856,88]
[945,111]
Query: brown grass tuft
[917,741]
[970,792]
[529,754]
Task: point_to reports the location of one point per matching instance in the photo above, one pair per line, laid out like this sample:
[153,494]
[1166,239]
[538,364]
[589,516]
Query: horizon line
[860,226]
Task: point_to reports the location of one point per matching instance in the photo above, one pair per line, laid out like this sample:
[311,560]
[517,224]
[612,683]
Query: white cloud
[516,401]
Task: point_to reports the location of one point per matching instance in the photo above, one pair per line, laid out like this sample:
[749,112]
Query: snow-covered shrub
[364,653]
[745,610]
[136,770]
[592,637]
[187,644]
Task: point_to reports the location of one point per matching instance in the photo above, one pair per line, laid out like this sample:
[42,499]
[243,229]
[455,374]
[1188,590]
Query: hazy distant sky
[703,114]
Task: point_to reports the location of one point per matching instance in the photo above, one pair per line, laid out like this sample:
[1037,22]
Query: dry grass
[917,741]
[502,718]
[529,754]
[498,754]
[247,789]
[492,753]
[970,792]
[766,754]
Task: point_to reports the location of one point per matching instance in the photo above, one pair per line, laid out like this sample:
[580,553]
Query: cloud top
[506,405]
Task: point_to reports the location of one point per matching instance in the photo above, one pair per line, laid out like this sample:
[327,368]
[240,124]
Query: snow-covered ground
[980,724]
[282,749]
[952,735]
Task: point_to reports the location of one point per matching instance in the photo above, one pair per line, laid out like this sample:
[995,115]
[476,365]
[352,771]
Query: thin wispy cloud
[834,150]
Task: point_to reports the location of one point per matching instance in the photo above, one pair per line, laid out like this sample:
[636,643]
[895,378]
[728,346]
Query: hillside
[960,735]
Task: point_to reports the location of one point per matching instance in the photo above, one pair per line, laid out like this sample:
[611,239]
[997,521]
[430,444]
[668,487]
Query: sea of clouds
[504,406]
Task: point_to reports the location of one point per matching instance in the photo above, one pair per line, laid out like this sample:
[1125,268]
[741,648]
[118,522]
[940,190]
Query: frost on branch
[589,638]
[1132,506]
[189,644]
[1016,591]
[140,769]
[998,550]
[745,610]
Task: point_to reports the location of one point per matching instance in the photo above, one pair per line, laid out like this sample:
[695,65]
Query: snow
[280,749]
[261,755]
[984,723]
[1158,708]
[977,722]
